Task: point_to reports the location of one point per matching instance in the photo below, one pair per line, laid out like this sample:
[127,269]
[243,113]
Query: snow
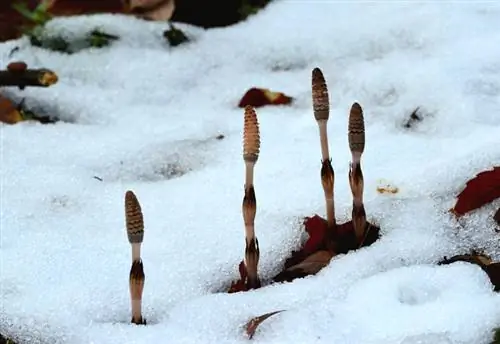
[143,116]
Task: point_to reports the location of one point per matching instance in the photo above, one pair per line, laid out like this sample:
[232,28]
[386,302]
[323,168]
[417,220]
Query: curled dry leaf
[240,284]
[339,241]
[311,265]
[252,325]
[480,190]
[489,267]
[258,97]
[158,10]
[385,187]
[317,251]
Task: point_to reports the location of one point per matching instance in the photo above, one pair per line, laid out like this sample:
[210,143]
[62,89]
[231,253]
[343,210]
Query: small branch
[28,77]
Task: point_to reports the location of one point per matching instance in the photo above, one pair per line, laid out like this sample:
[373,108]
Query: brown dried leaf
[9,112]
[258,97]
[309,266]
[252,325]
[483,261]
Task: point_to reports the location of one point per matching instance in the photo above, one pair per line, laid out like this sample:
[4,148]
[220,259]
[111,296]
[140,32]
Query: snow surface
[143,116]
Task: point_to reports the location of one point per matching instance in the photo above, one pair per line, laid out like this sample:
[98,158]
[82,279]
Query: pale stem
[330,212]
[136,251]
[323,137]
[249,172]
[136,309]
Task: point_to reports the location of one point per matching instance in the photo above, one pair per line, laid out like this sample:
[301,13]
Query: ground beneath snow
[143,116]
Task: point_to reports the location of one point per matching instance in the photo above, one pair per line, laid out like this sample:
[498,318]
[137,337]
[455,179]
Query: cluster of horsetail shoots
[251,147]
[356,137]
[135,233]
[321,107]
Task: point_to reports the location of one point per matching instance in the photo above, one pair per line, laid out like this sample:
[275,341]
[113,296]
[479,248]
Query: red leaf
[258,97]
[240,285]
[317,228]
[480,190]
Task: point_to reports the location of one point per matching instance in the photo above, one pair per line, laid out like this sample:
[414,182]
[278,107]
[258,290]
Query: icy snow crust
[139,110]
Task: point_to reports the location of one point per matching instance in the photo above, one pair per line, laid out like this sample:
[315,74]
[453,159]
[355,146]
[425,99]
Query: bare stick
[321,107]
[356,137]
[135,233]
[28,77]
[251,148]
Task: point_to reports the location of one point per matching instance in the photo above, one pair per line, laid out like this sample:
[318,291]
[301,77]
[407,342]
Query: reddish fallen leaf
[240,285]
[496,217]
[483,261]
[317,228]
[252,325]
[258,97]
[340,240]
[317,251]
[482,189]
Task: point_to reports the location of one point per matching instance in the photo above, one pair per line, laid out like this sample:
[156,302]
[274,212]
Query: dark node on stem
[249,199]
[327,175]
[139,321]
[137,272]
[252,254]
[355,175]
[359,221]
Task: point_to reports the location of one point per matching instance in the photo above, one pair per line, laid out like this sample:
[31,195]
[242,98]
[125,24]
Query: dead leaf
[258,97]
[309,266]
[493,272]
[240,285]
[252,325]
[385,187]
[157,10]
[482,189]
[9,112]
[483,261]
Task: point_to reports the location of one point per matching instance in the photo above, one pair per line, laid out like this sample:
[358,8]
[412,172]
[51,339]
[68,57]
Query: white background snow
[138,111]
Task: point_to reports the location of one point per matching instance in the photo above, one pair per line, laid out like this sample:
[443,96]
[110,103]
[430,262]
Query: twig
[135,233]
[251,148]
[356,137]
[321,107]
[28,77]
